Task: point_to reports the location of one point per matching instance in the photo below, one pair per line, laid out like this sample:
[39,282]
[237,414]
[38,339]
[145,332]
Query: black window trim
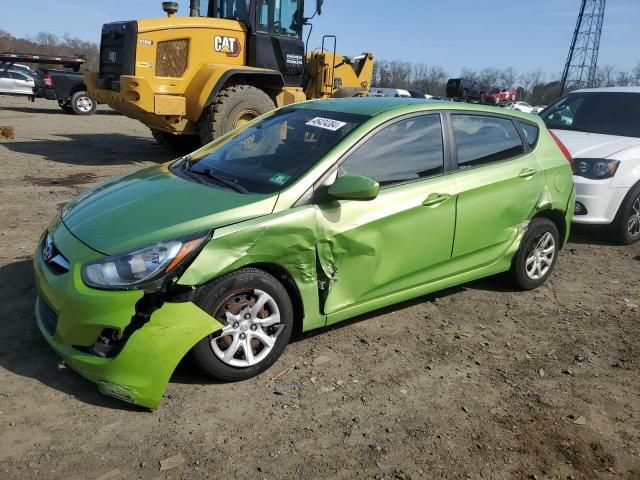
[454,150]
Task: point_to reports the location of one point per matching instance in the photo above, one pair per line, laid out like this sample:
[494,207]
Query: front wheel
[257,315]
[537,255]
[625,228]
[82,104]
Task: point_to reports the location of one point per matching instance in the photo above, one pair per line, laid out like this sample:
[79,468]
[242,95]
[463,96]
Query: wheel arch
[558,219]
[263,79]
[77,88]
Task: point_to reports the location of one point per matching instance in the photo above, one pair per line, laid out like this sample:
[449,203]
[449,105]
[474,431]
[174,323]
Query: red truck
[500,95]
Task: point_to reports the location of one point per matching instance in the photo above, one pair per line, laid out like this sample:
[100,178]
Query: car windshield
[272,154]
[494,90]
[601,112]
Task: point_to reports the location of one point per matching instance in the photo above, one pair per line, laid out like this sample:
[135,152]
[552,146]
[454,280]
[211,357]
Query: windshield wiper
[209,173]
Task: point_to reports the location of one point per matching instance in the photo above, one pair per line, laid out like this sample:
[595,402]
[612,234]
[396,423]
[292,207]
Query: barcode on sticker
[326,123]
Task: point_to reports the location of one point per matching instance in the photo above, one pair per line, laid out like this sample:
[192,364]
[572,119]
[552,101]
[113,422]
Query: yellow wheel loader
[192,79]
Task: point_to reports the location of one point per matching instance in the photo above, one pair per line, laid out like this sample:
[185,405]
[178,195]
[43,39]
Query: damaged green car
[309,215]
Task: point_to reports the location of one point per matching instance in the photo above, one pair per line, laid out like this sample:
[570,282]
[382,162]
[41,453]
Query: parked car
[419,94]
[463,89]
[601,129]
[67,88]
[15,81]
[500,95]
[521,106]
[389,92]
[310,215]
[538,108]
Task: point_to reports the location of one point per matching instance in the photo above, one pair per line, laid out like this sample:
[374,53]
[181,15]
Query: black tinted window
[531,133]
[407,150]
[606,113]
[482,140]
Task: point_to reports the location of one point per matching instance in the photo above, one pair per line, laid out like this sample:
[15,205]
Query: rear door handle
[527,172]
[435,199]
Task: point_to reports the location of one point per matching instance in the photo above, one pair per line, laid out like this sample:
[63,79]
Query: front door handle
[527,172]
[435,199]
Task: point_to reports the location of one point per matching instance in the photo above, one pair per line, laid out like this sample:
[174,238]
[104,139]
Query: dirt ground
[478,382]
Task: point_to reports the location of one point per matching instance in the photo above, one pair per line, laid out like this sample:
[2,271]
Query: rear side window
[481,139]
[531,133]
[406,150]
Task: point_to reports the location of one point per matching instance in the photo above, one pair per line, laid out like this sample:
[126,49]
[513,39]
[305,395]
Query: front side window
[605,113]
[230,9]
[407,150]
[481,139]
[280,17]
[272,154]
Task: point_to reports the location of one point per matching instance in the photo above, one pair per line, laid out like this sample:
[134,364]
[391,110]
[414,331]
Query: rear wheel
[625,228]
[537,255]
[257,315]
[82,104]
[180,144]
[235,106]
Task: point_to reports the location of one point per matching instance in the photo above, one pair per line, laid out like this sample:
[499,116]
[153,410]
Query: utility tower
[580,69]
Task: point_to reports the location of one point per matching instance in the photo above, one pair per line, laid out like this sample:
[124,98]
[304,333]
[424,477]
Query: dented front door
[368,249]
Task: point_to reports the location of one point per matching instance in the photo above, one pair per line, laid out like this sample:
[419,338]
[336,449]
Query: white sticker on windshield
[326,123]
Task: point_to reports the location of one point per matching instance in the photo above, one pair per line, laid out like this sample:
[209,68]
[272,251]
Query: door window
[280,17]
[407,150]
[481,140]
[231,9]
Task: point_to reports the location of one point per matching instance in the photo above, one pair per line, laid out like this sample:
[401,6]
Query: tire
[533,263]
[236,293]
[625,228]
[233,107]
[178,144]
[82,104]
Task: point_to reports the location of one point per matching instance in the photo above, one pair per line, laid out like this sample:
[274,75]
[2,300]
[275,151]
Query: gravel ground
[478,382]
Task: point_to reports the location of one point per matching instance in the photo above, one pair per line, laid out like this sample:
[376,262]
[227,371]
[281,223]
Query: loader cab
[274,39]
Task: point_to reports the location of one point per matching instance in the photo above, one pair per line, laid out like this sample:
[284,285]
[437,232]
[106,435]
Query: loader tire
[234,107]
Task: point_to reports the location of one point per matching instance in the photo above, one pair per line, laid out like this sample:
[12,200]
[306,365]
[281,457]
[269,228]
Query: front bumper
[71,315]
[600,199]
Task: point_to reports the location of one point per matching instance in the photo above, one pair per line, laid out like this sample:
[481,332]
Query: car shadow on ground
[55,110]
[590,235]
[25,352]
[93,149]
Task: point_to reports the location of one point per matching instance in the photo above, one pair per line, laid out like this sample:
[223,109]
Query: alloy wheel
[633,223]
[540,257]
[252,319]
[84,104]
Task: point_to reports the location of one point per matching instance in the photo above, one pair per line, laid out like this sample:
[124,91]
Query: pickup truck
[65,86]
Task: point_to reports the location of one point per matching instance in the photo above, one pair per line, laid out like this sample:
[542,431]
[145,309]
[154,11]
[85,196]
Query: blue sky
[525,34]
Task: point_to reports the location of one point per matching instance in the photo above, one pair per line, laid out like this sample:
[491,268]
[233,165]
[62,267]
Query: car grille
[52,257]
[117,53]
[48,317]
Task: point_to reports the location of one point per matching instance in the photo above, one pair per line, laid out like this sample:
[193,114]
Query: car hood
[154,205]
[594,145]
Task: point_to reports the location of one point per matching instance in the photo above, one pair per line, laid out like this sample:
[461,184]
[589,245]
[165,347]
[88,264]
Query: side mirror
[319,6]
[354,187]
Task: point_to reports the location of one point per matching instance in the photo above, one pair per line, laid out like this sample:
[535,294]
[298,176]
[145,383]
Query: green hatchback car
[309,215]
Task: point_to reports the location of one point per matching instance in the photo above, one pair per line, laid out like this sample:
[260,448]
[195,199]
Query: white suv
[601,129]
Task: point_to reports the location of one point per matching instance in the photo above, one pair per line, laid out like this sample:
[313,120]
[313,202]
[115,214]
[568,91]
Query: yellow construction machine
[192,79]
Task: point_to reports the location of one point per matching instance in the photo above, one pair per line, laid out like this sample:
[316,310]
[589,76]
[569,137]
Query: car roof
[609,90]
[372,106]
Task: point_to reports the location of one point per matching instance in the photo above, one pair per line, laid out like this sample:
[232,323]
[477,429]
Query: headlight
[147,266]
[595,168]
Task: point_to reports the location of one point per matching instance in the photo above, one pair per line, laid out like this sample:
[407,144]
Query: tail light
[563,149]
[47,79]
